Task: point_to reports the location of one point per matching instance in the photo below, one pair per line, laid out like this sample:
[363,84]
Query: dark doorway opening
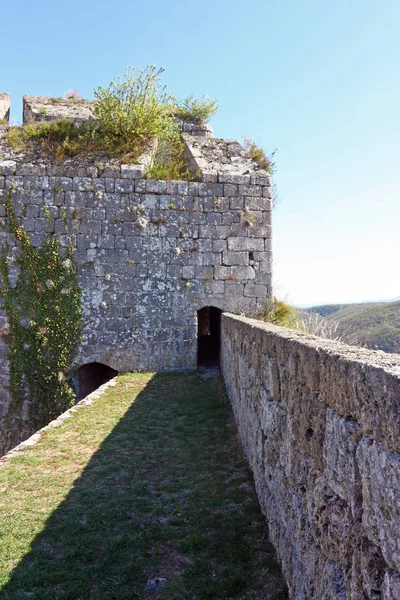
[208,336]
[89,377]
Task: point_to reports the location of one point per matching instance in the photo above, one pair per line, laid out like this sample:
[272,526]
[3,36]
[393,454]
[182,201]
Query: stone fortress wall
[150,253]
[320,425]
[319,421]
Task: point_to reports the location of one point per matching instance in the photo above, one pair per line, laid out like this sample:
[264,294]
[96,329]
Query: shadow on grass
[167,494]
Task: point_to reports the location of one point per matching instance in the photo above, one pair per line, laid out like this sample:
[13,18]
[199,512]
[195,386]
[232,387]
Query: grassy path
[148,482]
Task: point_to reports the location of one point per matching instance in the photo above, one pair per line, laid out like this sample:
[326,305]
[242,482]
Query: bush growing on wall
[42,301]
[134,114]
[133,110]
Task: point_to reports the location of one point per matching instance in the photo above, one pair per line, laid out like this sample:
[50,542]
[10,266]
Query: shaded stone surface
[319,422]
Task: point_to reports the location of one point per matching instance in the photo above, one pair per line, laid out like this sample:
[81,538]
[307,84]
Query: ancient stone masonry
[4,108]
[150,253]
[320,424]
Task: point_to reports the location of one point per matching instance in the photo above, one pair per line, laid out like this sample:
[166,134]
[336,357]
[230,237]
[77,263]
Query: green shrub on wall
[42,301]
[134,114]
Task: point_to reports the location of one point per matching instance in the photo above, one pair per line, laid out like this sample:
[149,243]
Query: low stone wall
[320,424]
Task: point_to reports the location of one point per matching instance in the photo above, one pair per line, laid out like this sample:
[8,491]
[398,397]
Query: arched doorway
[91,376]
[208,336]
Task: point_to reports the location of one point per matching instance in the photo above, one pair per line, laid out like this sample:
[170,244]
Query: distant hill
[375,324]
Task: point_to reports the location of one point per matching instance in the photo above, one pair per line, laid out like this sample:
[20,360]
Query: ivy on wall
[42,301]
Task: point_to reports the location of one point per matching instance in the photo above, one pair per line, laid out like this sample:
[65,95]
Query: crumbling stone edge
[35,438]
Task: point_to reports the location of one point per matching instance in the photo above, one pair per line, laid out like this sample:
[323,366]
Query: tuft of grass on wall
[279,312]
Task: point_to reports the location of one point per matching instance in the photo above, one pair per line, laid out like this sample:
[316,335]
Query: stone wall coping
[35,438]
[374,358]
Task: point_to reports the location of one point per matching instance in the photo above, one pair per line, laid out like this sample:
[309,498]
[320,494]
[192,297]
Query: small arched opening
[208,336]
[91,376]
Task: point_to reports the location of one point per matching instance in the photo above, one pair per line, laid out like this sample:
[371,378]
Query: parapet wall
[320,424]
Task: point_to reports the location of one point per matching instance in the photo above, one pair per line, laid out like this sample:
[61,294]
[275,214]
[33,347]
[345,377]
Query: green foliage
[199,110]
[279,312]
[257,153]
[58,138]
[43,307]
[134,110]
[129,116]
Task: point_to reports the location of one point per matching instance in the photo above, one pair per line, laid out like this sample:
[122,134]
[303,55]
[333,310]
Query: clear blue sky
[318,80]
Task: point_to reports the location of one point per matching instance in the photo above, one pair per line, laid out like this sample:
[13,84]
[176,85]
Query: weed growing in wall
[133,110]
[169,163]
[265,161]
[42,300]
[256,153]
[199,110]
[280,313]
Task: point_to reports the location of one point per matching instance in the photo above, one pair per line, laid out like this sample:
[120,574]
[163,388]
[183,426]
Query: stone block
[260,231]
[215,288]
[391,586]
[235,258]
[380,479]
[256,203]
[209,176]
[250,190]
[267,192]
[236,203]
[256,291]
[46,108]
[155,186]
[231,190]
[341,469]
[124,186]
[233,178]
[238,244]
[214,219]
[8,167]
[212,258]
[188,272]
[264,181]
[4,108]
[106,241]
[222,272]
[219,245]
[134,171]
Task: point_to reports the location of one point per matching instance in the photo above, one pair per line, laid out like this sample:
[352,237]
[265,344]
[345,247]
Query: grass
[259,156]
[60,139]
[280,313]
[148,482]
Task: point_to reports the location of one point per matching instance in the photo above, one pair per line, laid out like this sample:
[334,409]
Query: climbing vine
[42,301]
